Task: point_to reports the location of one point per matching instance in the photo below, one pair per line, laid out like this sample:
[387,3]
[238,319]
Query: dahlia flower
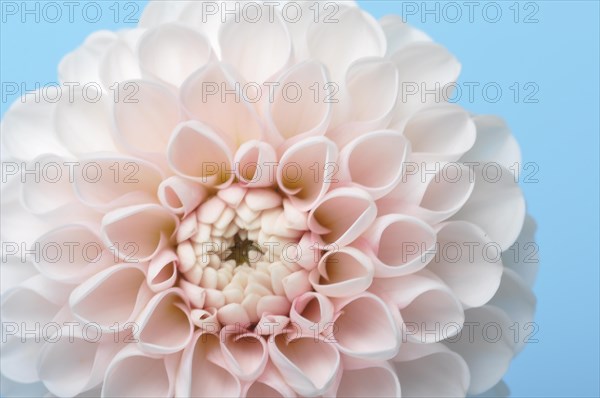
[254,205]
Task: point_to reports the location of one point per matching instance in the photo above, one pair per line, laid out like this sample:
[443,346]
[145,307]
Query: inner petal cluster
[237,248]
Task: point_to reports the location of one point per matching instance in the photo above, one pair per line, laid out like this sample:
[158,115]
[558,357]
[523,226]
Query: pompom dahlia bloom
[256,208]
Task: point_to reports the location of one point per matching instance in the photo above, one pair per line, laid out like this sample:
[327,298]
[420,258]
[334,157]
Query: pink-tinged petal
[296,284]
[232,195]
[110,182]
[206,319]
[199,154]
[260,199]
[522,256]
[83,64]
[203,371]
[74,360]
[180,195]
[162,271]
[272,305]
[423,66]
[138,232]
[429,311]
[464,263]
[439,197]
[372,88]
[170,53]
[300,112]
[374,161]
[494,143]
[399,34]
[159,12]
[133,373]
[364,328]
[496,205]
[446,372]
[487,350]
[271,324]
[516,299]
[255,163]
[213,95]
[369,380]
[83,124]
[342,215]
[27,129]
[233,313]
[296,219]
[308,364]
[342,273]
[312,312]
[71,253]
[195,294]
[354,26]
[266,39]
[399,245]
[441,133]
[164,324]
[144,116]
[270,384]
[305,171]
[245,353]
[114,296]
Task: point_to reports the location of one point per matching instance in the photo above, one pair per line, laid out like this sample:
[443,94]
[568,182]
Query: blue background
[558,53]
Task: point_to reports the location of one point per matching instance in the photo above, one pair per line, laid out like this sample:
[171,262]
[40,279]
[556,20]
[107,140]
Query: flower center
[237,251]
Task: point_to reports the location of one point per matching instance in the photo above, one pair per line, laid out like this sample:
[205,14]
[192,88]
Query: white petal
[255,162]
[399,34]
[494,143]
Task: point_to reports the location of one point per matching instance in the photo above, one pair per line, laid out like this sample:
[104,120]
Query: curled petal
[440,197]
[354,26]
[255,161]
[206,319]
[71,253]
[365,328]
[164,324]
[372,88]
[203,356]
[138,232]
[526,265]
[472,274]
[269,384]
[440,133]
[342,215]
[133,373]
[13,272]
[110,182]
[144,116]
[296,114]
[399,34]
[496,204]
[180,195]
[27,129]
[399,245]
[447,372]
[119,63]
[74,361]
[162,271]
[494,143]
[199,154]
[429,310]
[19,357]
[268,41]
[115,295]
[83,64]
[341,273]
[423,66]
[375,161]
[304,171]
[369,380]
[308,364]
[244,352]
[171,53]
[213,95]
[296,284]
[159,12]
[82,120]
[487,350]
[312,312]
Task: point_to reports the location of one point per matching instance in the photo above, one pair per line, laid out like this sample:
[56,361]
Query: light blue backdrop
[553,59]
